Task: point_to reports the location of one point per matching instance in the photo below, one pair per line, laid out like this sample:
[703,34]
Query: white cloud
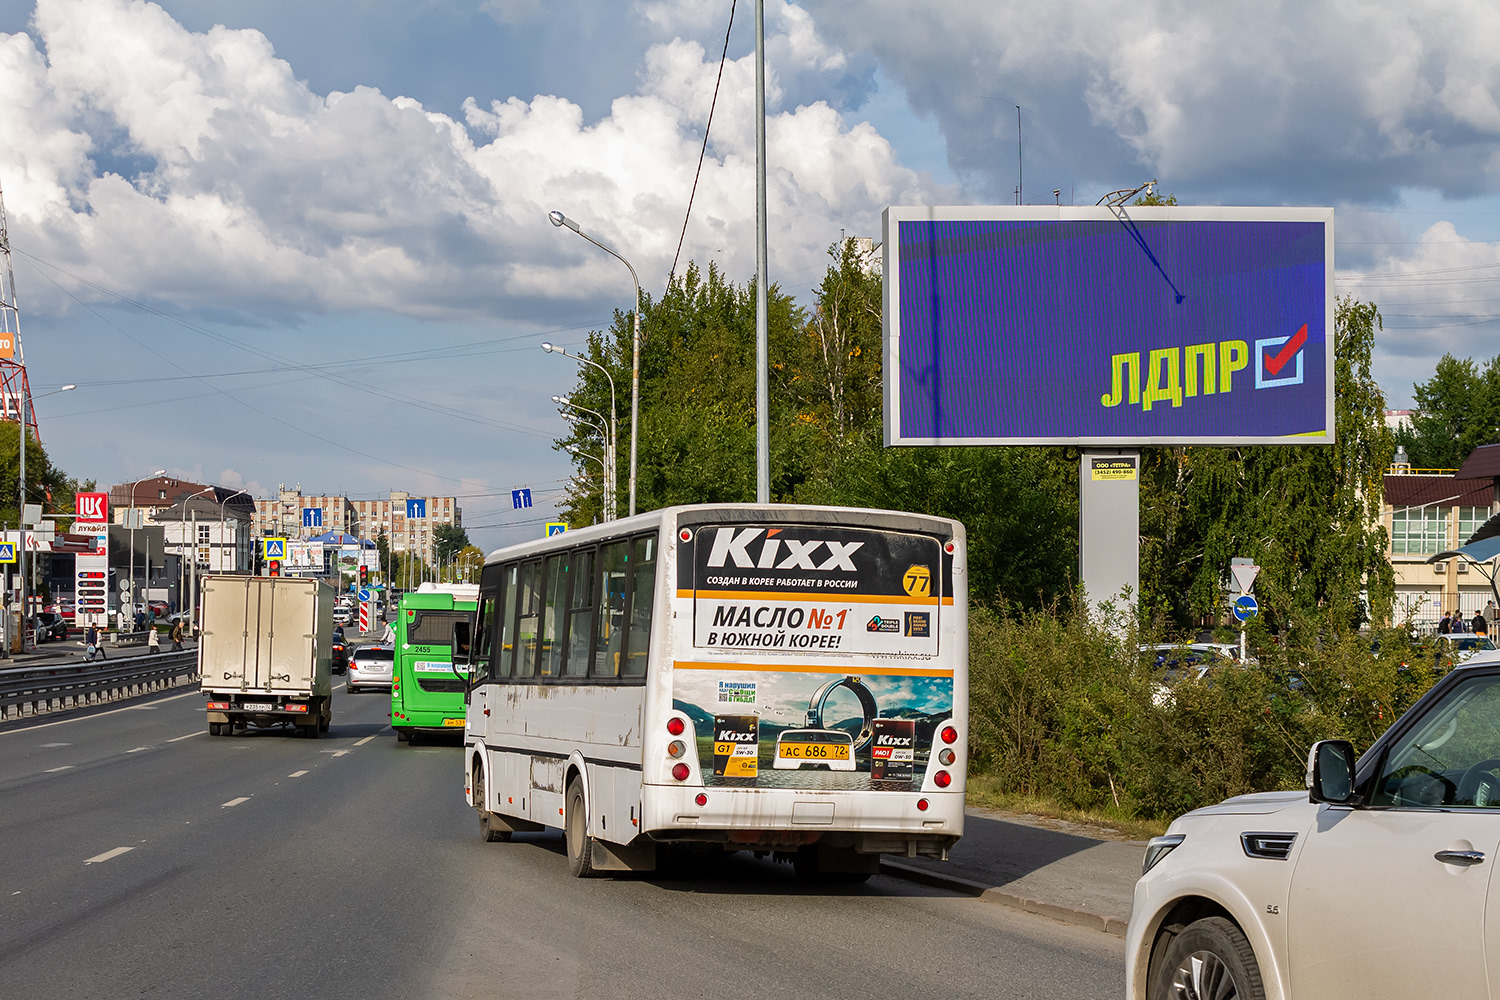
[194,168]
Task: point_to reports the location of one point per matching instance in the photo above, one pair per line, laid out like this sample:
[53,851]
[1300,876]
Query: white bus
[786,680]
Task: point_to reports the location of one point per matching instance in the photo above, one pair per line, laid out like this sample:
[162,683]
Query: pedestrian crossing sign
[7,552]
[556,528]
[275,548]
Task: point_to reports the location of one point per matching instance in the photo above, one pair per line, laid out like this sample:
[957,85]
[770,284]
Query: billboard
[1108,326]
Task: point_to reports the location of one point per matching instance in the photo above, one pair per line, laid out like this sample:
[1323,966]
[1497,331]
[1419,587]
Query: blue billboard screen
[1108,326]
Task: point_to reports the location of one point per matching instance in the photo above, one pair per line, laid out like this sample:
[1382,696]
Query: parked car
[1297,894]
[371,666]
[1459,646]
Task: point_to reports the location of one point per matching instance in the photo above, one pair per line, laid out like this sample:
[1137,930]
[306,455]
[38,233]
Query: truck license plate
[258,706]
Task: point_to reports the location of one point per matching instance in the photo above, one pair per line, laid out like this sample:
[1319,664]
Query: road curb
[993,894]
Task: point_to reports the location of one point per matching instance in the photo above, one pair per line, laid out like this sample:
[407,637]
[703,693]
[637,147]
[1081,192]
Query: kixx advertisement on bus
[784,601]
[1126,325]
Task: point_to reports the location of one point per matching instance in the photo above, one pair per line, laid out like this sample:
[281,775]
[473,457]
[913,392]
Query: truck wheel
[214,728]
[489,830]
[580,844]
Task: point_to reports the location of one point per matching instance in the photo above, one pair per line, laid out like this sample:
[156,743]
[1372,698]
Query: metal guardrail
[29,691]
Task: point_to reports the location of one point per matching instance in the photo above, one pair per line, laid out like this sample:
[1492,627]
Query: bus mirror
[461,633]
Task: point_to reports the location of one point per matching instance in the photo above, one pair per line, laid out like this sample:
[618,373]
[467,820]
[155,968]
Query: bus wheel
[489,831]
[580,844]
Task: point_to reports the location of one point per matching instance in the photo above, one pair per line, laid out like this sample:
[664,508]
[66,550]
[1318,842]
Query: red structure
[14,387]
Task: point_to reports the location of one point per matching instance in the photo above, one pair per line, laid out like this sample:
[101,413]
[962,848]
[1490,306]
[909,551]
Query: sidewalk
[1051,868]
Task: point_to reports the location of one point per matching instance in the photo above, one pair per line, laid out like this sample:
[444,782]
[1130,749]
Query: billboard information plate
[1123,326]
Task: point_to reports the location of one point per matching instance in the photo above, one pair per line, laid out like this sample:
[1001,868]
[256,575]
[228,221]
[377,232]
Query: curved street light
[558,219]
[236,493]
[610,474]
[131,518]
[190,544]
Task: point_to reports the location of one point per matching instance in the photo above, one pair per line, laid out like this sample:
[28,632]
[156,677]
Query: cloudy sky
[306,243]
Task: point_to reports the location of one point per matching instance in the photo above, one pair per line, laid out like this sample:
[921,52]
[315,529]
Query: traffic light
[364,574]
[273,567]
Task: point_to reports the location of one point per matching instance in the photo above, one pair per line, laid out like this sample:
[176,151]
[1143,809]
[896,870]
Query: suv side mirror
[1330,773]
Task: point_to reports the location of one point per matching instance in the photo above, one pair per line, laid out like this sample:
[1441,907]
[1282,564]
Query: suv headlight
[1158,848]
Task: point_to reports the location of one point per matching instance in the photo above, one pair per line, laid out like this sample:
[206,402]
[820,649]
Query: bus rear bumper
[911,824]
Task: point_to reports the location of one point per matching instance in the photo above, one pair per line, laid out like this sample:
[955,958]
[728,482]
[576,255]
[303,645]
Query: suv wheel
[1211,958]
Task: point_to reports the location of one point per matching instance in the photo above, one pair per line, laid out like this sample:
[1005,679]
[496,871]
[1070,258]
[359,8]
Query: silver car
[371,666]
[1373,882]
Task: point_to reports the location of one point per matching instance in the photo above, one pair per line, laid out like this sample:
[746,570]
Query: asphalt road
[141,857]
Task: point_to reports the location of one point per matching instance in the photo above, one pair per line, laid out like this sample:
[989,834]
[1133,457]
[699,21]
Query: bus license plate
[814,751]
[258,706]
[453,722]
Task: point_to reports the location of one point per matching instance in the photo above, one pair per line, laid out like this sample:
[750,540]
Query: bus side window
[504,663]
[554,604]
[484,623]
[580,613]
[611,628]
[527,646]
[643,590]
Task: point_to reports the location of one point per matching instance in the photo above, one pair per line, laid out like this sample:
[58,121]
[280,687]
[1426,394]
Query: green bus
[427,691]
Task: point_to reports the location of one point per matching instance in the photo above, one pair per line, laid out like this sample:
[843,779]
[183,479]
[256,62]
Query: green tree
[447,540]
[46,485]
[1457,410]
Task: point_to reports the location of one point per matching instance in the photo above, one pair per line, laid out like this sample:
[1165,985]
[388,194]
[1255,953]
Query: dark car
[50,626]
[340,655]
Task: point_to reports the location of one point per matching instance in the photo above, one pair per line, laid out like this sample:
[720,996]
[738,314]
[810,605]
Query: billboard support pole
[1109,526]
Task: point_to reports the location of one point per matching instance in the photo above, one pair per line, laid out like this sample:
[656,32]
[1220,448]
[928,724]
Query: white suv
[1375,882]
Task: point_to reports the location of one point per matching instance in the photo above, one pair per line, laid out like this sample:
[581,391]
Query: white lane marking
[137,749]
[235,802]
[335,753]
[364,741]
[54,770]
[57,744]
[178,739]
[195,693]
[108,854]
[296,774]
[139,708]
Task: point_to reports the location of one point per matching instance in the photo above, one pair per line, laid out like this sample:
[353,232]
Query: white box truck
[265,653]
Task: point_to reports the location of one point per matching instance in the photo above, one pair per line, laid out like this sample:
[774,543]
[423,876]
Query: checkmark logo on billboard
[1277,361]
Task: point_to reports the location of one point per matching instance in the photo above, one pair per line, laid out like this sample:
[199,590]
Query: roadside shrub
[1062,706]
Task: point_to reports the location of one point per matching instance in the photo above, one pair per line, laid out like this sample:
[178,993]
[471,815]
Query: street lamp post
[558,219]
[609,447]
[583,454]
[222,516]
[21,505]
[190,544]
[611,473]
[130,517]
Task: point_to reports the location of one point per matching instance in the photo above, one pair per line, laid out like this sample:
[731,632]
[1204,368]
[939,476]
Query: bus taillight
[675,726]
[701,799]
[949,734]
[676,749]
[681,771]
[946,758]
[921,805]
[942,779]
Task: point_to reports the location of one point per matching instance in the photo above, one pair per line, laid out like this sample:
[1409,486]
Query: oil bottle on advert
[736,745]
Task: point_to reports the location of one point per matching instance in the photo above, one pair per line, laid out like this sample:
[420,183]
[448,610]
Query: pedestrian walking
[177,636]
[91,644]
[1445,626]
[153,640]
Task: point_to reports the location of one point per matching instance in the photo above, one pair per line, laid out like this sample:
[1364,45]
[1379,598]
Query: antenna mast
[14,386]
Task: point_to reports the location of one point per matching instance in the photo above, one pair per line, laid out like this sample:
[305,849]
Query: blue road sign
[7,552]
[312,517]
[556,528]
[364,594]
[275,548]
[1246,608]
[416,508]
[520,498]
